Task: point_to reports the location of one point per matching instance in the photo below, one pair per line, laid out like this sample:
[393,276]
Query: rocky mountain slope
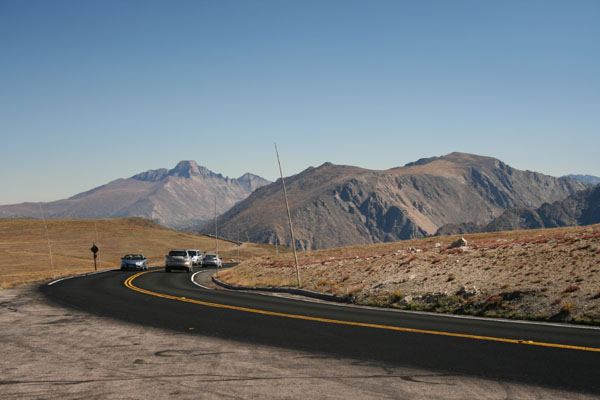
[336,205]
[580,208]
[181,197]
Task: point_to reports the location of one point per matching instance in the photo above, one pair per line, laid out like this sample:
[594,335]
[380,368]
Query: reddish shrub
[571,288]
[556,301]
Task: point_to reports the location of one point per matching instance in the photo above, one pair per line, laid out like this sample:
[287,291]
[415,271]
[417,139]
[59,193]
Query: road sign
[94,249]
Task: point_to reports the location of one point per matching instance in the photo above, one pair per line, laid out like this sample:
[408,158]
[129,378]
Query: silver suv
[178,259]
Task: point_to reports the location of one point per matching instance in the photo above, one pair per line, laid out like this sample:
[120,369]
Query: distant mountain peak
[252,181]
[326,164]
[180,197]
[185,169]
[455,157]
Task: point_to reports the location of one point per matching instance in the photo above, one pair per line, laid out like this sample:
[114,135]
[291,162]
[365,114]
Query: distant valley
[181,197]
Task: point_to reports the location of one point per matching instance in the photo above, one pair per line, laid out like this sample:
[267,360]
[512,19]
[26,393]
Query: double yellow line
[130,285]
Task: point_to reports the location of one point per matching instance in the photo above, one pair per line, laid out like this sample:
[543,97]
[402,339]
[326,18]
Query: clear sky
[92,91]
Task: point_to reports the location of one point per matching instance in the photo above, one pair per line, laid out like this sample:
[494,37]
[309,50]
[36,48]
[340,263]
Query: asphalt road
[541,354]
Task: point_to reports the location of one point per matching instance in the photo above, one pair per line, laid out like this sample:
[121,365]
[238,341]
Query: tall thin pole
[216,230]
[48,239]
[287,206]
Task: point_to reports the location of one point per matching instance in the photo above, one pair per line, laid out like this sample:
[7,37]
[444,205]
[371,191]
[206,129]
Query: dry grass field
[24,255]
[551,274]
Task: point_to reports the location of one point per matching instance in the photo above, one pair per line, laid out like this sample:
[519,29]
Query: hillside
[580,208]
[336,205]
[546,274]
[24,255]
[179,198]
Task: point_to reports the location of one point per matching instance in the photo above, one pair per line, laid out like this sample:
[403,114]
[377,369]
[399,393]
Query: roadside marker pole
[287,206]
[48,239]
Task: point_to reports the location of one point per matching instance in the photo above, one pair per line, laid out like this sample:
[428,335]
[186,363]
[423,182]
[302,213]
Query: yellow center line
[130,285]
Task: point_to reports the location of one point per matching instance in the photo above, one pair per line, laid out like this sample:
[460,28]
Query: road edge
[301,292]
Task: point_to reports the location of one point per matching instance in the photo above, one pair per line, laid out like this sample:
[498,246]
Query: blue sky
[92,91]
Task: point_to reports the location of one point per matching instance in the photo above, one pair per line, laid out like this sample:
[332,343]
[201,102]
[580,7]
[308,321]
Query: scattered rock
[460,242]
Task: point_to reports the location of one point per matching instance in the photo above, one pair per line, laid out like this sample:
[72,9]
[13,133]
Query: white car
[212,259]
[134,261]
[196,256]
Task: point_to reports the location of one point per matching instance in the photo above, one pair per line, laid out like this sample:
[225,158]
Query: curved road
[544,354]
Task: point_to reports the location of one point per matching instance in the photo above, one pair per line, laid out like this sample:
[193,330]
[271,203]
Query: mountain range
[338,205]
[181,197]
[580,208]
[592,180]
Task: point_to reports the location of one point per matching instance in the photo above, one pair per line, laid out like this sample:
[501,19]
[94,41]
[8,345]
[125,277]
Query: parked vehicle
[178,259]
[134,261]
[212,259]
[196,256]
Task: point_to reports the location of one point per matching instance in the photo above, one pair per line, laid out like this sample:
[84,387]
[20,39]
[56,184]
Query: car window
[178,253]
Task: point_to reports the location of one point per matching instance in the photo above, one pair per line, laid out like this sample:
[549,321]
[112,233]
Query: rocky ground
[548,275]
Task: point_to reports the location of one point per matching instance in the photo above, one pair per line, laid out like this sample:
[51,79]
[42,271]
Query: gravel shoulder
[49,351]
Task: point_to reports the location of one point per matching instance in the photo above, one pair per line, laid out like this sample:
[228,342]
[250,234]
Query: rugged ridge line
[337,205]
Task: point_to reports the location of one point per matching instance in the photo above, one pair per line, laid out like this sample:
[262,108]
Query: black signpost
[94,250]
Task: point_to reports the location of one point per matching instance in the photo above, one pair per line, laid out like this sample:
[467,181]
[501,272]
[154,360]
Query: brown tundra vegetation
[546,275]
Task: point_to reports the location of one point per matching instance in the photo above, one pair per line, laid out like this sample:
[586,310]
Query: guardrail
[301,292]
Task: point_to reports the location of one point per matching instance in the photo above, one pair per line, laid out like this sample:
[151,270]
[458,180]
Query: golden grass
[24,255]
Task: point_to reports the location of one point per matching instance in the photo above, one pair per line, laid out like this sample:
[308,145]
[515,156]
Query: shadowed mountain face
[581,208]
[179,198]
[335,205]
